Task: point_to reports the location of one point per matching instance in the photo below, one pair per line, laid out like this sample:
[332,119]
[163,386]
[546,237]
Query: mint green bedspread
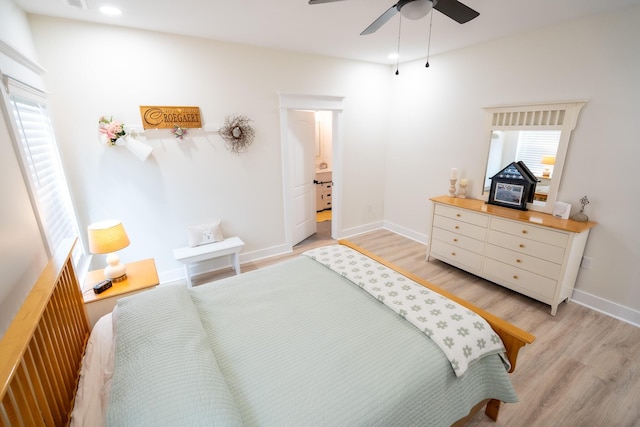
[294,344]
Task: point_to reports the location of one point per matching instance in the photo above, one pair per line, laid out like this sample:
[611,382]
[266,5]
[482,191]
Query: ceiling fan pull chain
[429,42]
[398,55]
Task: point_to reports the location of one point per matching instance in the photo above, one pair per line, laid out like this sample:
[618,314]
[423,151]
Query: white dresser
[532,253]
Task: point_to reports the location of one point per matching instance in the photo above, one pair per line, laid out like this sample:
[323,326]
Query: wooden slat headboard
[43,347]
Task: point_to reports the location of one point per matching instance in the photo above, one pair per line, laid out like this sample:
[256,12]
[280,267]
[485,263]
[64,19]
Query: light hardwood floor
[582,370]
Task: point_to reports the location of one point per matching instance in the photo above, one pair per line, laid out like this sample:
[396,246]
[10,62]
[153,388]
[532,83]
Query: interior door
[302,134]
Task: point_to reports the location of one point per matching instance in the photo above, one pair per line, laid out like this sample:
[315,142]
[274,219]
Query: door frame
[311,102]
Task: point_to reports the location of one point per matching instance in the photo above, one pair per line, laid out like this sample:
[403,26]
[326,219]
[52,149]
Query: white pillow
[205,233]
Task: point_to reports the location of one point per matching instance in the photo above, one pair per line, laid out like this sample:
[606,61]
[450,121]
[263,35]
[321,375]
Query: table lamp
[548,161]
[107,237]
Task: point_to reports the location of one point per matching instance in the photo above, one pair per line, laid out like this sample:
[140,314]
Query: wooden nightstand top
[140,275]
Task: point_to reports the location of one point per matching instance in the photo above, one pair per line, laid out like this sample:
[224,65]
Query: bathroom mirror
[539,136]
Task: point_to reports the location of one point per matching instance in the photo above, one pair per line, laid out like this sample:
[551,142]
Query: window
[41,165]
[534,145]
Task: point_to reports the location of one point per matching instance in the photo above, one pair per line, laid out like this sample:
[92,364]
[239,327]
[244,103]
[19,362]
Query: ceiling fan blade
[322,1]
[455,10]
[382,19]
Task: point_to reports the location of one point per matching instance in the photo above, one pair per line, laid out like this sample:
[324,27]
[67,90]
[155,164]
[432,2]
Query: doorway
[297,208]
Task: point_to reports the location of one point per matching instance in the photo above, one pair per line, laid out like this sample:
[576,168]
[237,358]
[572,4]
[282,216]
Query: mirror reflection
[536,148]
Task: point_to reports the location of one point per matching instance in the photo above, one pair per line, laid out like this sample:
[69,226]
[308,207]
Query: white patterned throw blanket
[463,335]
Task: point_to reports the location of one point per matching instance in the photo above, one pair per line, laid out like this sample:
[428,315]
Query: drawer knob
[524,231]
[515,276]
[456,227]
[458,215]
[518,260]
[521,245]
[453,254]
[455,240]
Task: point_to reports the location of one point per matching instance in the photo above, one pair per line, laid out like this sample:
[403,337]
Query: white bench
[229,246]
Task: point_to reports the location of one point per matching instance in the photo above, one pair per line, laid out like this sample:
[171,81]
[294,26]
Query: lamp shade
[416,9]
[548,160]
[106,237]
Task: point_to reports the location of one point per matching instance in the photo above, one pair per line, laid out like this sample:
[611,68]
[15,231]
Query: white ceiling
[330,29]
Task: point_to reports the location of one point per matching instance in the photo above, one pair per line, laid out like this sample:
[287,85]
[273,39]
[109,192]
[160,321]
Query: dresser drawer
[526,246]
[556,238]
[458,240]
[459,227]
[454,253]
[462,215]
[533,253]
[523,281]
[525,262]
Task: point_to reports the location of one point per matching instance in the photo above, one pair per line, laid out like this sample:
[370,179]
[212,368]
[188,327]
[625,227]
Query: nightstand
[141,275]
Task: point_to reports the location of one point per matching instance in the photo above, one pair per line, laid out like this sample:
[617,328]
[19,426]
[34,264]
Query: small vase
[580,217]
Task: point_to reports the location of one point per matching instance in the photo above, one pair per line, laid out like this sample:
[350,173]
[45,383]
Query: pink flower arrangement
[111,129]
[179,132]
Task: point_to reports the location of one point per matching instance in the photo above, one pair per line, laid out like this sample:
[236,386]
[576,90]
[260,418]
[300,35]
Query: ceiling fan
[416,9]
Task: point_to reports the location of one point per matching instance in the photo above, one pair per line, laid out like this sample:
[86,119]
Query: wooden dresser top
[531,217]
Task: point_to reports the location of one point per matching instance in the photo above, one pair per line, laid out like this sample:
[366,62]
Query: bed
[304,342]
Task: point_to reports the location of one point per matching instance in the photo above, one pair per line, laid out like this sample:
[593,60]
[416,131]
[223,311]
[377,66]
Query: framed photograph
[513,187]
[510,194]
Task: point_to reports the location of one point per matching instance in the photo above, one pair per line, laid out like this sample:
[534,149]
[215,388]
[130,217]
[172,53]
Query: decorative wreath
[237,133]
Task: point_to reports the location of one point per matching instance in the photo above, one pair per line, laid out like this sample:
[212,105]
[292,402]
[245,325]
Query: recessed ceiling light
[110,10]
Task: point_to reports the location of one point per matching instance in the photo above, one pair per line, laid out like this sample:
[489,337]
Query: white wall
[95,70]
[437,124]
[22,250]
[433,123]
[325,129]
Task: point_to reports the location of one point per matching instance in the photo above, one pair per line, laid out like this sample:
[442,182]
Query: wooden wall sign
[167,117]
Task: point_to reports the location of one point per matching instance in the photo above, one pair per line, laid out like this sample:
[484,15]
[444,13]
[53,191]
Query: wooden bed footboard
[513,337]
[43,347]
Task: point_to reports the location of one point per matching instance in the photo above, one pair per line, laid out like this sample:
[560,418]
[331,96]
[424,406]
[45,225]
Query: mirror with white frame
[537,135]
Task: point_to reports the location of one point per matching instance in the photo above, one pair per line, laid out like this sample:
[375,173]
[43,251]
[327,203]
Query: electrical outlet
[586,263]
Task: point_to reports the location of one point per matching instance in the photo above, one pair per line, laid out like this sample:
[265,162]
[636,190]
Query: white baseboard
[355,231]
[264,253]
[178,274]
[607,307]
[405,232]
[593,302]
[171,276]
[409,234]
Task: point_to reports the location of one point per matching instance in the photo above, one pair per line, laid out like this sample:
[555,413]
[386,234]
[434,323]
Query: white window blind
[533,145]
[43,170]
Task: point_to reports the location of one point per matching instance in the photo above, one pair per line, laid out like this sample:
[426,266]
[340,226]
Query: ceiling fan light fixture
[416,9]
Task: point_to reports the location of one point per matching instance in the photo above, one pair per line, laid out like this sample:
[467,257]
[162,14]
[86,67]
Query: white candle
[464,181]
[454,173]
